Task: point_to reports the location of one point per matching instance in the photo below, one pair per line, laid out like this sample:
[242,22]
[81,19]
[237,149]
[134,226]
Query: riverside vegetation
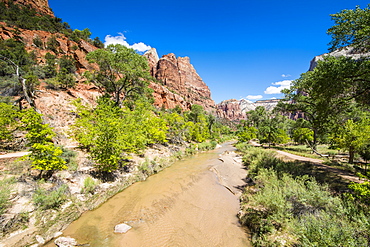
[284,207]
[295,203]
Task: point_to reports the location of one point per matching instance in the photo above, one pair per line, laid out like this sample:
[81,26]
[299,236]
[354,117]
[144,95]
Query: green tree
[50,66]
[353,136]
[302,135]
[352,27]
[176,127]
[247,134]
[8,123]
[110,133]
[122,72]
[53,44]
[44,154]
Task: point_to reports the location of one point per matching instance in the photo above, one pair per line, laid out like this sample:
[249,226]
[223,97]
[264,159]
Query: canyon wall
[178,83]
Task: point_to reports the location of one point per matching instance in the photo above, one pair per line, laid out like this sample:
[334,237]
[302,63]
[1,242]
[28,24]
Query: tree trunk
[27,97]
[314,144]
[351,155]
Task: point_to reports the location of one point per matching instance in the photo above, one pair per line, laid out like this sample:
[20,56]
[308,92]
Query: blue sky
[240,48]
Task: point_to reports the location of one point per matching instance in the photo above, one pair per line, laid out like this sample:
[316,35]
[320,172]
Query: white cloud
[277,90]
[121,39]
[254,97]
[285,75]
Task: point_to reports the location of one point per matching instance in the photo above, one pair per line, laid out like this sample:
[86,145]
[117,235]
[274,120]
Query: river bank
[24,223]
[44,225]
[193,202]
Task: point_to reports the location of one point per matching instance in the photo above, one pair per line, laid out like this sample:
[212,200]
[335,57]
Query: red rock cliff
[41,6]
[66,46]
[177,76]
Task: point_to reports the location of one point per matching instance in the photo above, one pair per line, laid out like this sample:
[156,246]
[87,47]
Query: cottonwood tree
[327,94]
[45,156]
[122,72]
[353,136]
[110,133]
[352,27]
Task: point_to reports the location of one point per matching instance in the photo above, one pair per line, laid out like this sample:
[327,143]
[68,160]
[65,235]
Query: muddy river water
[192,203]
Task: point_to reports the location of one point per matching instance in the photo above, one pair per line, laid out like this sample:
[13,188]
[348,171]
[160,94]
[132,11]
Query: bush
[287,210]
[50,199]
[207,146]
[89,186]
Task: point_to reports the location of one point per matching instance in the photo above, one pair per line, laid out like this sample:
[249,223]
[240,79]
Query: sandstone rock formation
[230,109]
[235,110]
[41,6]
[66,46]
[177,76]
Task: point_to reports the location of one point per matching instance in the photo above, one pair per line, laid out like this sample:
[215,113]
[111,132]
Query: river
[187,204]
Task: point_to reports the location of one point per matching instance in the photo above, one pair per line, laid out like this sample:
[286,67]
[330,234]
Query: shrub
[89,185]
[293,210]
[50,199]
[38,42]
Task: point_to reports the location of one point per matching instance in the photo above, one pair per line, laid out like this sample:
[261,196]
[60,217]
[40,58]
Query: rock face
[347,52]
[230,109]
[177,76]
[235,110]
[66,46]
[41,6]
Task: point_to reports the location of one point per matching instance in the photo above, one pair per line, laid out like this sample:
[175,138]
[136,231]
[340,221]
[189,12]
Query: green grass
[6,186]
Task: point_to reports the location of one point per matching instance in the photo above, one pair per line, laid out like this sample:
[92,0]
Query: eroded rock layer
[178,82]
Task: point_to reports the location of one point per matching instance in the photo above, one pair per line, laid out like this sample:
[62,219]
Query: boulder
[122,228]
[65,242]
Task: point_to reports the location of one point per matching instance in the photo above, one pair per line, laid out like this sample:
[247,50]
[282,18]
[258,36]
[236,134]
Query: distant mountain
[235,110]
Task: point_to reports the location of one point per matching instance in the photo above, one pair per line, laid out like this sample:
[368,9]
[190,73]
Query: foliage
[64,79]
[302,135]
[361,191]
[70,158]
[49,68]
[177,127]
[38,42]
[89,185]
[108,131]
[8,122]
[45,199]
[204,146]
[247,134]
[282,210]
[268,127]
[53,44]
[80,34]
[353,136]
[13,50]
[44,154]
[122,72]
[328,94]
[352,27]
